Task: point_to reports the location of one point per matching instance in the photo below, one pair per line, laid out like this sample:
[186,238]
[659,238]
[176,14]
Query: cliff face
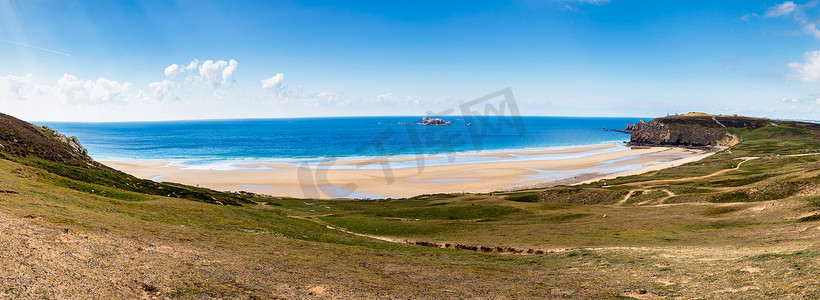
[690,130]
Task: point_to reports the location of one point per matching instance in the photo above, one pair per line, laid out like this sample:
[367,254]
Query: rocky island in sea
[429,121]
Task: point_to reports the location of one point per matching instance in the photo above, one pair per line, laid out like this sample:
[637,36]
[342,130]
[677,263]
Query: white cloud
[227,73]
[328,99]
[276,88]
[385,98]
[781,9]
[69,98]
[18,88]
[747,17]
[193,65]
[98,91]
[274,83]
[216,75]
[185,92]
[173,71]
[164,90]
[809,70]
[798,12]
[414,100]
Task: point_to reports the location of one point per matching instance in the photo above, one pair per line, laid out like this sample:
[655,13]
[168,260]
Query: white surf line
[35,47]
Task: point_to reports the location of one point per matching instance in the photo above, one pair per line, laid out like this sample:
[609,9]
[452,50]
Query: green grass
[450,212]
[579,195]
[560,218]
[716,225]
[86,178]
[738,179]
[686,189]
[812,218]
[641,196]
[396,228]
[814,201]
[720,210]
[556,206]
[782,140]
[523,197]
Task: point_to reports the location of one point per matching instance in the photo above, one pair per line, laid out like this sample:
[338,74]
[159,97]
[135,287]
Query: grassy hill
[742,223]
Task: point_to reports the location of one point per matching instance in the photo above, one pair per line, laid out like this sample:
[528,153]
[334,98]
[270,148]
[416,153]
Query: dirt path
[628,195]
[716,121]
[445,245]
[718,173]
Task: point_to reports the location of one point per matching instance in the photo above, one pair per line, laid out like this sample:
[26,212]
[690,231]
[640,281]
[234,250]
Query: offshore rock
[433,121]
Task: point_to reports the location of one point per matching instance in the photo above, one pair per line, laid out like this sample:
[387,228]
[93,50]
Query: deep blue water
[215,140]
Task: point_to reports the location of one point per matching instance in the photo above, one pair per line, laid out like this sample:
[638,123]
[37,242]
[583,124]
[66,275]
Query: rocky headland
[696,130]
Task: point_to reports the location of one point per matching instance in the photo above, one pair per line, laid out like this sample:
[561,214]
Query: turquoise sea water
[309,139]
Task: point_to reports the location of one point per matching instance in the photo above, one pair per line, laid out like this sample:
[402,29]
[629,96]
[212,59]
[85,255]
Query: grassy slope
[718,236]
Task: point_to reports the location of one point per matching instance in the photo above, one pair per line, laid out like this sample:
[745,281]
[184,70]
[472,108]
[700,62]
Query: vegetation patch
[523,197]
[383,227]
[812,218]
[433,197]
[560,218]
[581,195]
[815,201]
[715,225]
[686,189]
[778,256]
[461,212]
[720,210]
[641,196]
[557,206]
[739,179]
[734,196]
[772,191]
[691,198]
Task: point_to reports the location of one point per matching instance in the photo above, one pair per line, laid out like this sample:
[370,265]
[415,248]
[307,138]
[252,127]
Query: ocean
[213,142]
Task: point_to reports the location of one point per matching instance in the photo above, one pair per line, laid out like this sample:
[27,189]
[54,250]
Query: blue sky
[166,60]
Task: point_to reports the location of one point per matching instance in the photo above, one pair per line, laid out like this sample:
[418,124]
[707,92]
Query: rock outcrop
[71,141]
[433,121]
[636,127]
[690,130]
[23,139]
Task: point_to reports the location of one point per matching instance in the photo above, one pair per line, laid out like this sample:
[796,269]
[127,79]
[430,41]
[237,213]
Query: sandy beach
[409,176]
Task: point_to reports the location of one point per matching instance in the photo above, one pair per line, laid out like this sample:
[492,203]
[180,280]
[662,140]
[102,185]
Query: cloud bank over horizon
[208,82]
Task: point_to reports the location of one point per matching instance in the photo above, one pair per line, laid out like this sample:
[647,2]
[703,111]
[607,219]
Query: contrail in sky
[35,47]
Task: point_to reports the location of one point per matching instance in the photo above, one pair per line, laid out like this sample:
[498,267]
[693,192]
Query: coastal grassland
[125,244]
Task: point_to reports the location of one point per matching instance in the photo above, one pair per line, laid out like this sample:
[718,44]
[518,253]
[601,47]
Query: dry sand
[376,178]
